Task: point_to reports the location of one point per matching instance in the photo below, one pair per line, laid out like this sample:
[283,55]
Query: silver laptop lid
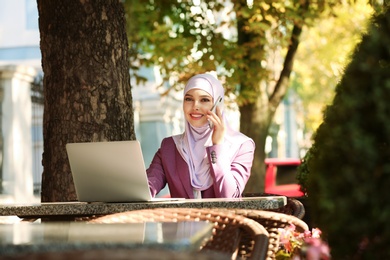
[108,171]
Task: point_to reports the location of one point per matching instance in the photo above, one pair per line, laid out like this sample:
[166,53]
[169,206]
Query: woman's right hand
[219,128]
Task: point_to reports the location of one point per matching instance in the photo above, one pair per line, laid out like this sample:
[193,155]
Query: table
[26,237]
[69,210]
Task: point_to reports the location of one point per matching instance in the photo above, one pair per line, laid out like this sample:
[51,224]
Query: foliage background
[349,164]
[252,46]
[324,52]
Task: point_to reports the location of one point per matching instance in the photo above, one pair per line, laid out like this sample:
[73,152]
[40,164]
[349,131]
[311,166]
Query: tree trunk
[86,84]
[257,114]
[255,121]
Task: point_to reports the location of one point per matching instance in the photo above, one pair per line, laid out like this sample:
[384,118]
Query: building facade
[19,65]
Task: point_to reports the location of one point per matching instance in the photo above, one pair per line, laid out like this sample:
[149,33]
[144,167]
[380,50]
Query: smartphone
[214,109]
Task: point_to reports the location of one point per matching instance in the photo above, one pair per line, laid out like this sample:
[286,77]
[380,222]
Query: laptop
[109,172]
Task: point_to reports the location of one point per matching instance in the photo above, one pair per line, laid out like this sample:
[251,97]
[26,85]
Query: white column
[16,130]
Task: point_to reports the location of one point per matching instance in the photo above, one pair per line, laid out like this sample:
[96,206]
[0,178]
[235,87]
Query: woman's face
[196,104]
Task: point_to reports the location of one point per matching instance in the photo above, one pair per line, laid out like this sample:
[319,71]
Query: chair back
[228,231]
[271,221]
[293,206]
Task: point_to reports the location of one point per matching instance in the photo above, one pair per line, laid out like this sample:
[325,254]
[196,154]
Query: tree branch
[282,83]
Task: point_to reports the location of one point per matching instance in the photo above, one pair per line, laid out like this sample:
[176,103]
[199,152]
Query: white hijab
[193,142]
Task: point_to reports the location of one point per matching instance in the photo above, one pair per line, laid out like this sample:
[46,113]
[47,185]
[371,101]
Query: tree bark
[255,121]
[86,83]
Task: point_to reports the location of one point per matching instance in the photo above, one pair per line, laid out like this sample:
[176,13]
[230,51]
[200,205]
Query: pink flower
[317,250]
[308,244]
[284,238]
[316,232]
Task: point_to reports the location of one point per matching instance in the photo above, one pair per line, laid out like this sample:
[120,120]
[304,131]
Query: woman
[209,160]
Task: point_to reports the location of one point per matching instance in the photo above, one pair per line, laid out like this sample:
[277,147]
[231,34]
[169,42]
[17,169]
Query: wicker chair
[271,221]
[293,206]
[226,238]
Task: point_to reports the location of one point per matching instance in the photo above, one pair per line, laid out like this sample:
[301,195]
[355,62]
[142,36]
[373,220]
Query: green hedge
[347,171]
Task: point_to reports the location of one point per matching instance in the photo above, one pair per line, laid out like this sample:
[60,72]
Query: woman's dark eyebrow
[201,96]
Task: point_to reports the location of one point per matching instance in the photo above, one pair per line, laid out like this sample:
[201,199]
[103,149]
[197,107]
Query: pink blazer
[230,174]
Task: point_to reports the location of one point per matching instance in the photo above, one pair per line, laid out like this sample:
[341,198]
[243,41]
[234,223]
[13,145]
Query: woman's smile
[196,116]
